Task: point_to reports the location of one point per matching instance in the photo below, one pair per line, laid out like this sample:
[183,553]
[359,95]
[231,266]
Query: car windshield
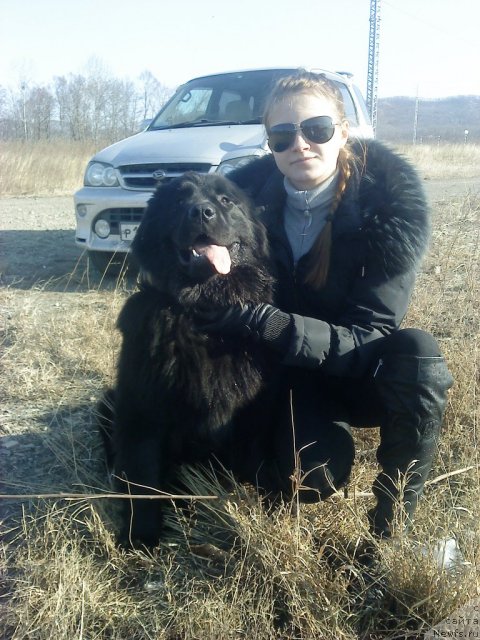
[230,98]
[227,99]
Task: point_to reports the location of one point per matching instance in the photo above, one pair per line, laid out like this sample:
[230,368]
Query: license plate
[128,231]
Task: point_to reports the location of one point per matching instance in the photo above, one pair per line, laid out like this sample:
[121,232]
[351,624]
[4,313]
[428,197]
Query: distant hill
[443,120]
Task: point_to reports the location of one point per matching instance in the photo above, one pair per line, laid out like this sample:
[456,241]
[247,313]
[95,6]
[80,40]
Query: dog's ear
[142,244]
[153,230]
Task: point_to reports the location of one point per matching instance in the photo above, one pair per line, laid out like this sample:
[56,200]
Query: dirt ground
[37,240]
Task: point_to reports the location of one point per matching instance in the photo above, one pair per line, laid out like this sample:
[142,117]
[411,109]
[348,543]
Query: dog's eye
[225,200]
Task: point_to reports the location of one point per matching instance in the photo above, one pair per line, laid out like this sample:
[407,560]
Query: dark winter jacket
[379,235]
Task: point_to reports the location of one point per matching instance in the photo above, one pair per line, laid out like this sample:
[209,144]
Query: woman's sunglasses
[319,130]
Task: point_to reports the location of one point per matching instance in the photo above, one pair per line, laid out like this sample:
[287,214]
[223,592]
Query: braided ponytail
[320,253]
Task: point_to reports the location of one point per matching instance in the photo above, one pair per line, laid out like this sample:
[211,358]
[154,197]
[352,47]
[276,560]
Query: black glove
[262,322]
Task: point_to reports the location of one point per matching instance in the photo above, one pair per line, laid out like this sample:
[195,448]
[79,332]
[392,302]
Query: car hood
[193,144]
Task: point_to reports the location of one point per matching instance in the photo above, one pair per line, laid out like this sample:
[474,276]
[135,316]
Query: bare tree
[153,94]
[91,106]
[74,106]
[6,120]
[39,108]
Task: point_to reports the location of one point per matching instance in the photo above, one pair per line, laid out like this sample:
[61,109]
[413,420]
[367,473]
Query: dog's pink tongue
[217,256]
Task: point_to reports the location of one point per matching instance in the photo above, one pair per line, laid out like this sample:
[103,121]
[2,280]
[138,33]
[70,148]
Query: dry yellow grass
[43,168]
[444,162]
[232,571]
[57,166]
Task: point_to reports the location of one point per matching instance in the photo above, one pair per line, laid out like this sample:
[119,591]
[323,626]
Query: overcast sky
[427,45]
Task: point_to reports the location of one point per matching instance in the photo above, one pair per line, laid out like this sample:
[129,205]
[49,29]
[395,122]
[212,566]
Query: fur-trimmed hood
[380,232]
[384,199]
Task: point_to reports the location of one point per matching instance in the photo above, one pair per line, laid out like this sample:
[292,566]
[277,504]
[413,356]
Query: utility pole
[373,53]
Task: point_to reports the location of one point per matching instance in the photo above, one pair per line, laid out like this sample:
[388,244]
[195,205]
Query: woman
[348,225]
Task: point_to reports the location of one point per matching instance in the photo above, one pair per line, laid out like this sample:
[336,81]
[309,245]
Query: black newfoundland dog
[183,396]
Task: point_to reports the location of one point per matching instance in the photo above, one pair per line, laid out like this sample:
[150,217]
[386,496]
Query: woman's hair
[313,83]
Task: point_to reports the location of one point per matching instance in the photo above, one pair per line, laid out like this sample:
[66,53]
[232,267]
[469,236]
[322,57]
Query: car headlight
[227,166]
[102,228]
[99,174]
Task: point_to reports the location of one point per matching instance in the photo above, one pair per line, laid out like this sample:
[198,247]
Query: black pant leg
[310,441]
[405,394]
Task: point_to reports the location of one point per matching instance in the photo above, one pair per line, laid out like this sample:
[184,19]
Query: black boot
[413,391]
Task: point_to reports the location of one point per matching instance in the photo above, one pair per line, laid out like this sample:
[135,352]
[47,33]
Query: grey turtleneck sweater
[306,212]
[305,215]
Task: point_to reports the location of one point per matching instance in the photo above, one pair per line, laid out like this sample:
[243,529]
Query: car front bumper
[92,203]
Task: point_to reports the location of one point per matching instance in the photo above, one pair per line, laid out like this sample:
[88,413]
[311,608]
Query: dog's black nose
[203,211]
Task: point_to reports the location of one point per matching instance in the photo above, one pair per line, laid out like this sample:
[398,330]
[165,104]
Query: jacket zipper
[380,363]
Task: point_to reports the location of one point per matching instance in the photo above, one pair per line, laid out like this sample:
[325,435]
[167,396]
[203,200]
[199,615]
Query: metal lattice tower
[373,53]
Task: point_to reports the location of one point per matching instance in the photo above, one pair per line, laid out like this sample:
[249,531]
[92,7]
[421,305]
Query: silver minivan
[210,124]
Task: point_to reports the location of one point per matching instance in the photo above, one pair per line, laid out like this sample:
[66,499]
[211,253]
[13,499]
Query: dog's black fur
[182,395]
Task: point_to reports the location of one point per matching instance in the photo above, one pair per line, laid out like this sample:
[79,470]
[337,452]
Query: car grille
[140,176]
[116,216]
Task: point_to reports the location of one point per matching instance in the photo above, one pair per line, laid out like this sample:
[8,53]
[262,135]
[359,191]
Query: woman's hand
[262,322]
